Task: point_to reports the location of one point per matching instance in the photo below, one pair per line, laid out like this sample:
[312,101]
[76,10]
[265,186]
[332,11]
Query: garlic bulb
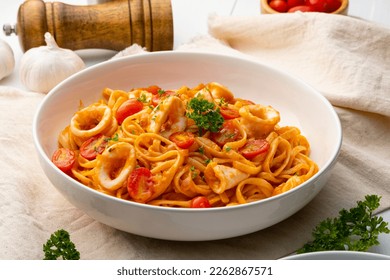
[43,67]
[7,59]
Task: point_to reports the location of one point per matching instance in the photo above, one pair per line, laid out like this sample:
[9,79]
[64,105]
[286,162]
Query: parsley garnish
[354,230]
[142,98]
[60,246]
[222,102]
[205,114]
[115,138]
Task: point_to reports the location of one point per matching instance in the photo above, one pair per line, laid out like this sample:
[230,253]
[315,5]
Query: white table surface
[190,19]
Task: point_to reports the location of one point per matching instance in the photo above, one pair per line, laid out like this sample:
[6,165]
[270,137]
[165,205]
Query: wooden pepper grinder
[113,25]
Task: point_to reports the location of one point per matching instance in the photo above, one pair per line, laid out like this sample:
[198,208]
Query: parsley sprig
[59,246]
[354,230]
[205,114]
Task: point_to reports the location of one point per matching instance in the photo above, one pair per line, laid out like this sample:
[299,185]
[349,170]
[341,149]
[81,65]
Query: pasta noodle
[171,147]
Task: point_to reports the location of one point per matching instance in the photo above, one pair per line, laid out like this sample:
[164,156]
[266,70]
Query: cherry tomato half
[64,159]
[229,113]
[254,147]
[128,108]
[153,89]
[279,5]
[228,133]
[182,139]
[200,202]
[93,146]
[140,184]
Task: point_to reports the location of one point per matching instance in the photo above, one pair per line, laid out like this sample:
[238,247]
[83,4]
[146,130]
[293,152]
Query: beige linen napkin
[346,59]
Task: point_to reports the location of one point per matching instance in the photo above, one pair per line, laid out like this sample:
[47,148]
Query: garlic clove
[7,60]
[42,68]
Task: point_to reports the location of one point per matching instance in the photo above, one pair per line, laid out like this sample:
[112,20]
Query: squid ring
[114,165]
[91,121]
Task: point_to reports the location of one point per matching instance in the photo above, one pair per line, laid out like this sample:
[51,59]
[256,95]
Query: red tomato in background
[279,5]
[302,8]
[182,139]
[93,146]
[332,5]
[140,184]
[293,3]
[64,159]
[318,5]
[327,6]
[200,202]
[128,108]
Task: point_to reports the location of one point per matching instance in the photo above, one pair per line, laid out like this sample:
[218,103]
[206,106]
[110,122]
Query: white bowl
[338,255]
[298,104]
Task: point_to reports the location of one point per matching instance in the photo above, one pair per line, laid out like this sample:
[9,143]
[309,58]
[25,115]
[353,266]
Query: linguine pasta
[172,147]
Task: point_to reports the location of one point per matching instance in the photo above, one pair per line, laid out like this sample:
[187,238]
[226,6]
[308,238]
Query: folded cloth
[344,58]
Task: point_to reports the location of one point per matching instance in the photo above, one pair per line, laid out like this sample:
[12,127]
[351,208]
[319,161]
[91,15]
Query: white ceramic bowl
[298,104]
[338,255]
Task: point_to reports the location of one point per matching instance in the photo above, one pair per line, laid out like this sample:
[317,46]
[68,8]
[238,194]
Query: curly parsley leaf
[353,230]
[205,114]
[59,246]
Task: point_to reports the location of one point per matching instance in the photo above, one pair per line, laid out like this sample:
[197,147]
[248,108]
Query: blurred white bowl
[298,104]
[338,255]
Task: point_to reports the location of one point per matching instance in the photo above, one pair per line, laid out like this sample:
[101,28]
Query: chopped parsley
[115,138]
[143,98]
[205,114]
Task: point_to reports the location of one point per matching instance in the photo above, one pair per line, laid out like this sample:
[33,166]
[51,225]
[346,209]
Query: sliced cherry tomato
[128,108]
[93,146]
[279,5]
[293,3]
[303,8]
[183,139]
[64,159]
[140,184]
[254,147]
[228,133]
[229,113]
[156,99]
[153,89]
[200,202]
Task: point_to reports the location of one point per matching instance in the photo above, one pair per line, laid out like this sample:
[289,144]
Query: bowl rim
[202,55]
[329,255]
